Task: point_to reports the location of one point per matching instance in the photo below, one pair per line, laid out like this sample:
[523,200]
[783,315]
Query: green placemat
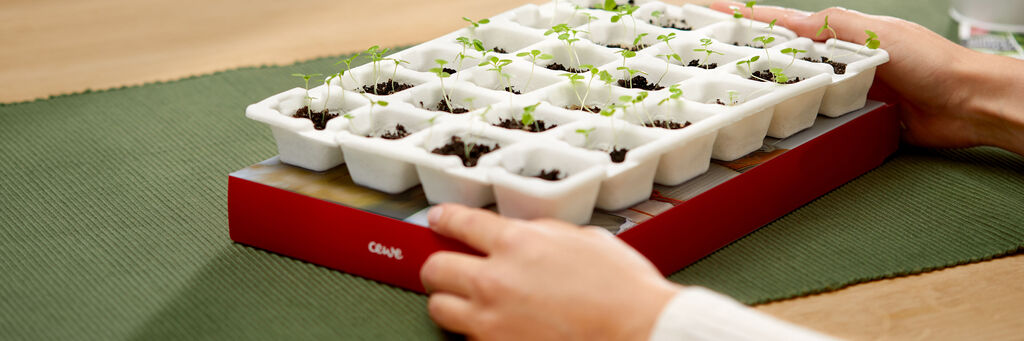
[113,225]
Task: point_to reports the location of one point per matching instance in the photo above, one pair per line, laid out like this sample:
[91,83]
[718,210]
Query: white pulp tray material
[715,112]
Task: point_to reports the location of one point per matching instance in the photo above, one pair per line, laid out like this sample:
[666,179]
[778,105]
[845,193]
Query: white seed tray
[588,177]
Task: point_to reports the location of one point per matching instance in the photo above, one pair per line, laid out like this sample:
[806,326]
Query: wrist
[650,304]
[995,106]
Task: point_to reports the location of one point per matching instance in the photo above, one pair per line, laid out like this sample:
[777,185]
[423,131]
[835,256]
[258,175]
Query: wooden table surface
[62,46]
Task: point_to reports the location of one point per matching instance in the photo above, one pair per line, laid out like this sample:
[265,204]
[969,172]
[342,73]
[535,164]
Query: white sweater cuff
[697,313]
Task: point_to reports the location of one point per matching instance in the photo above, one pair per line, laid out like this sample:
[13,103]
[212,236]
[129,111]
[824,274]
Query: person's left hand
[540,280]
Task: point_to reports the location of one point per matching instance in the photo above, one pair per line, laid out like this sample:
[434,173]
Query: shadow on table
[246,293]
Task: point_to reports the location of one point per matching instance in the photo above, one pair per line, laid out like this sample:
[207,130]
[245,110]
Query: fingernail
[434,215]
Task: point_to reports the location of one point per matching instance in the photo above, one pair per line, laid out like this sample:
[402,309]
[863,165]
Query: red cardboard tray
[325,219]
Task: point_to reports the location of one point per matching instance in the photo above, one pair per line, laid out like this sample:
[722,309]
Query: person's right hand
[949,96]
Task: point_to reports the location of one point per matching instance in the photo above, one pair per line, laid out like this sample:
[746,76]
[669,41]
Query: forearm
[699,314]
[996,99]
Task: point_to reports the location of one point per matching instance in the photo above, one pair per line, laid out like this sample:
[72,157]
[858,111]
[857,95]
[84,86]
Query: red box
[325,219]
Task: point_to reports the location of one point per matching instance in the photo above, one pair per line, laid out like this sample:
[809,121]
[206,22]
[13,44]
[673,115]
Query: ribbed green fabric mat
[113,225]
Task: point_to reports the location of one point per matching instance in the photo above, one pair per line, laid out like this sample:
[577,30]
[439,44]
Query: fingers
[478,228]
[849,25]
[450,272]
[451,312]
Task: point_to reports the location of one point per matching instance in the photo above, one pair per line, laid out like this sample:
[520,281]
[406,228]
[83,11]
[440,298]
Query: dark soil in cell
[536,127]
[696,63]
[601,6]
[443,106]
[591,109]
[499,50]
[449,71]
[633,48]
[618,154]
[560,67]
[469,154]
[746,44]
[396,134]
[319,118]
[639,82]
[720,102]
[839,68]
[674,24]
[672,125]
[765,75]
[513,90]
[386,88]
[549,175]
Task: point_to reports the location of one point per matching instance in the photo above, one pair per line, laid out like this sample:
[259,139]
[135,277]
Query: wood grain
[60,46]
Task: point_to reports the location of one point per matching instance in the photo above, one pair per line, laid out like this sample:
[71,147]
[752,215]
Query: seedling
[630,73]
[765,40]
[305,78]
[750,5]
[668,60]
[608,80]
[633,101]
[733,97]
[476,24]
[621,11]
[441,75]
[736,12]
[374,104]
[871,43]
[534,55]
[461,56]
[394,73]
[780,76]
[749,62]
[348,67]
[527,116]
[676,94]
[626,54]
[705,44]
[586,135]
[594,72]
[636,41]
[498,66]
[327,98]
[575,81]
[793,52]
[568,36]
[835,36]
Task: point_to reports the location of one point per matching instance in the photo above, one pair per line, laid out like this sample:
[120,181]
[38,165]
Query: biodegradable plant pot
[519,79]
[716,112]
[691,154]
[520,194]
[628,182]
[461,95]
[655,72]
[745,122]
[672,17]
[799,101]
[551,117]
[588,53]
[363,78]
[444,177]
[684,45]
[298,142]
[621,34]
[742,33]
[848,91]
[567,95]
[369,156]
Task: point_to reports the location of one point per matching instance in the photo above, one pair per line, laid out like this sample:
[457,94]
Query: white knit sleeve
[697,313]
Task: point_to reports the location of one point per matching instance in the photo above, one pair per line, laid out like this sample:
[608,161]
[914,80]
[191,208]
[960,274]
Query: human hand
[540,280]
[949,96]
